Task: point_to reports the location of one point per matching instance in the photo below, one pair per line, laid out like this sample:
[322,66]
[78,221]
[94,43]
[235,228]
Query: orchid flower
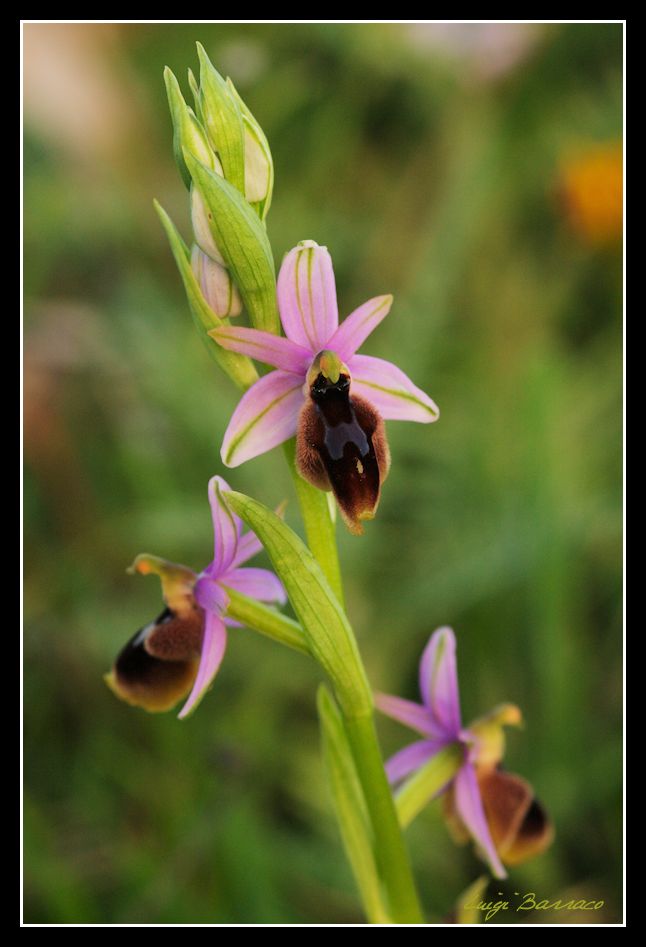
[181,651]
[333,399]
[497,810]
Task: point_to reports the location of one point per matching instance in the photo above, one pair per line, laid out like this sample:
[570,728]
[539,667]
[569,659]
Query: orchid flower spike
[180,652]
[498,810]
[334,400]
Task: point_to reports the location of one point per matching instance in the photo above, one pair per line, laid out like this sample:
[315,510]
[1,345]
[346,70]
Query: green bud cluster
[224,159]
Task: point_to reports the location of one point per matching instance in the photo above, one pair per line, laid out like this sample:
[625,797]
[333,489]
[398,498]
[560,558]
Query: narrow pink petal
[214,643]
[248,546]
[232,623]
[412,715]
[264,347]
[468,803]
[307,296]
[266,416]
[411,758]
[391,391]
[438,681]
[227,527]
[209,595]
[256,583]
[354,330]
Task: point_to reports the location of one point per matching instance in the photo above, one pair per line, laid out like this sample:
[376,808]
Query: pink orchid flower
[181,651]
[334,399]
[497,809]
[439,720]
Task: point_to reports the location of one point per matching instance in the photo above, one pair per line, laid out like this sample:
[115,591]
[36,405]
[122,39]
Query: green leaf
[238,367]
[266,620]
[418,791]
[223,120]
[349,803]
[242,240]
[324,623]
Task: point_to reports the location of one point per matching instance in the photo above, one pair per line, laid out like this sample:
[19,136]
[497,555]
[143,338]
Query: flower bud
[222,120]
[258,163]
[230,196]
[235,135]
[200,216]
[216,284]
[228,229]
[258,171]
[188,134]
[238,367]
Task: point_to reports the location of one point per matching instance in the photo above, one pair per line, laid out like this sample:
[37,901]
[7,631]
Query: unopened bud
[200,216]
[222,120]
[229,199]
[258,172]
[258,163]
[216,284]
[188,134]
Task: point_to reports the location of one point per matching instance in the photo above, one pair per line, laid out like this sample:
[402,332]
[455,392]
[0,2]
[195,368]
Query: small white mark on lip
[359,466]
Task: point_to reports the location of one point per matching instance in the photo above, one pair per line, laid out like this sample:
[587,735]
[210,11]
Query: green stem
[319,528]
[390,849]
[266,620]
[350,808]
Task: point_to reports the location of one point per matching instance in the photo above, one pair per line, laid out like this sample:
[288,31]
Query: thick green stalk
[390,850]
[350,808]
[319,528]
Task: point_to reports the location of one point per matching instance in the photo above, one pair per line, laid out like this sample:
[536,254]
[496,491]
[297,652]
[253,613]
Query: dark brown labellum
[157,667]
[519,826]
[341,445]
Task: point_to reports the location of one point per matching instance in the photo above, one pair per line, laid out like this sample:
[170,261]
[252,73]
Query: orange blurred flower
[591,193]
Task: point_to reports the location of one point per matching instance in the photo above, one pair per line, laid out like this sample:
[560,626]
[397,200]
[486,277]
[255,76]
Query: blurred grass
[429,176]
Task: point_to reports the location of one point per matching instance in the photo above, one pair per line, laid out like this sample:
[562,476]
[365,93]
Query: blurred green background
[439,163]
